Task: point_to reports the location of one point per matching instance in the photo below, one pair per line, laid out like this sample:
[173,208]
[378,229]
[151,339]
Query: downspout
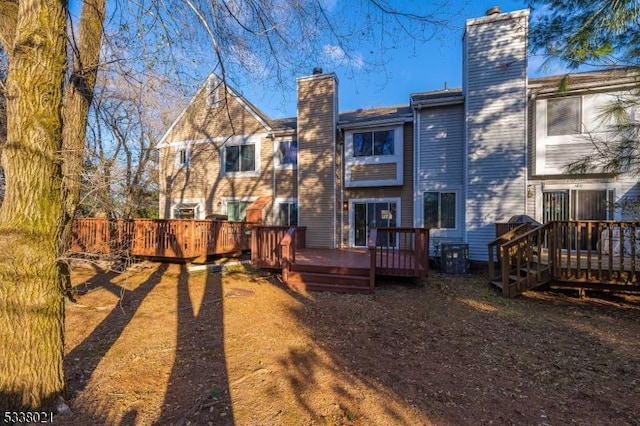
[416,164]
[273,189]
[341,136]
[526,151]
[335,132]
[526,128]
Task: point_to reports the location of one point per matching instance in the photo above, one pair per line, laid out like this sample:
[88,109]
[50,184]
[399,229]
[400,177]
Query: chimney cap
[495,10]
[317,71]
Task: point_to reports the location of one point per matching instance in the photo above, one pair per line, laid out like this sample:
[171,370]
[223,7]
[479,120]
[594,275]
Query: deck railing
[173,238]
[400,251]
[603,254]
[266,249]
[101,236]
[505,232]
[288,252]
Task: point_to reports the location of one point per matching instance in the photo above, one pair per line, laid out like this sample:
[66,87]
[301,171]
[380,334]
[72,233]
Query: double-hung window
[373,143]
[237,210]
[440,210]
[240,158]
[287,214]
[564,116]
[182,157]
[287,154]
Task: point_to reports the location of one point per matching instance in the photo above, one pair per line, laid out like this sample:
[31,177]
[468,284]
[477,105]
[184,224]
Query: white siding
[555,153]
[495,67]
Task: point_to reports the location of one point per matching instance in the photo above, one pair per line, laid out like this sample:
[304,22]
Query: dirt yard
[159,345]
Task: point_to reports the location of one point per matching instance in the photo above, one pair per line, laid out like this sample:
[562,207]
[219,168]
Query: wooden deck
[591,255]
[391,251]
[356,258]
[159,238]
[353,270]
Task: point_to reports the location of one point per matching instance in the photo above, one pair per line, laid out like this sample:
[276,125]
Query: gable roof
[262,118]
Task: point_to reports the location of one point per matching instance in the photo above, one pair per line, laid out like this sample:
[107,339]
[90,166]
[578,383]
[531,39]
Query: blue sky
[411,69]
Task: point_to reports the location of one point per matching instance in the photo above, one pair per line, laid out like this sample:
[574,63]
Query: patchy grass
[160,346]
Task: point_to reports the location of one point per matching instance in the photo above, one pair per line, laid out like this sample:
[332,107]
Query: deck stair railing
[505,232]
[288,253]
[519,256]
[599,255]
[266,244]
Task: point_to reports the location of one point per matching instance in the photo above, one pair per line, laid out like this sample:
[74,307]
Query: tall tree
[582,32]
[52,64]
[605,34]
[31,304]
[40,160]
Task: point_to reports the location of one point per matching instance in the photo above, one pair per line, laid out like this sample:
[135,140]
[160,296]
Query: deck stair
[519,255]
[396,251]
[600,255]
[325,278]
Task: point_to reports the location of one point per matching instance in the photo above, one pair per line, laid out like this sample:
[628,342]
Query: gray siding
[441,146]
[441,162]
[495,101]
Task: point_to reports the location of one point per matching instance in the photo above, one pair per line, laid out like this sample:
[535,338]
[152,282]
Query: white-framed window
[213,92]
[373,143]
[367,213]
[241,159]
[577,204]
[286,212]
[183,156]
[188,208]
[373,157]
[237,210]
[564,116]
[286,154]
[440,209]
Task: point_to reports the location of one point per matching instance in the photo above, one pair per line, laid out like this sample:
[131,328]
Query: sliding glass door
[372,214]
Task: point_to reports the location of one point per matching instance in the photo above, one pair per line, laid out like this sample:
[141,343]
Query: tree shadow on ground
[114,377]
[199,373]
[88,354]
[454,353]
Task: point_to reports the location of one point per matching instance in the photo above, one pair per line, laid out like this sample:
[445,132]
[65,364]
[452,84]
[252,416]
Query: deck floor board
[346,258]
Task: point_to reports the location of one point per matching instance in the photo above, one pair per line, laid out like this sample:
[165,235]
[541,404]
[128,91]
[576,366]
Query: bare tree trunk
[77,100]
[31,283]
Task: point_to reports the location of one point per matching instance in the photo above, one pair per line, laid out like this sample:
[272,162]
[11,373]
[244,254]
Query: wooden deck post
[373,237]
